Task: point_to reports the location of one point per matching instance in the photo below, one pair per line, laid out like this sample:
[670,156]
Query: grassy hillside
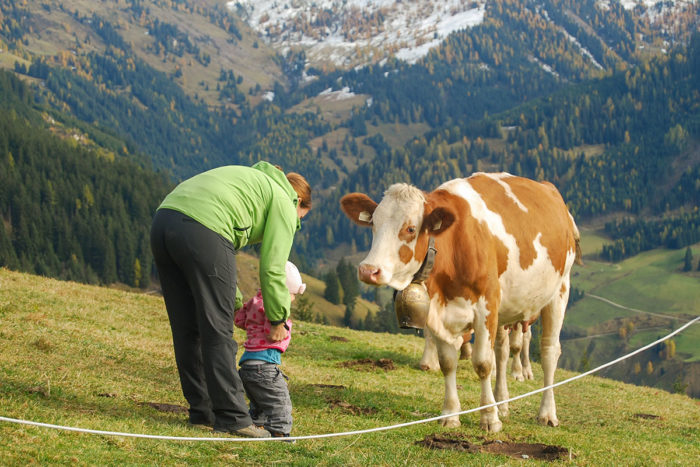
[649,282]
[101,358]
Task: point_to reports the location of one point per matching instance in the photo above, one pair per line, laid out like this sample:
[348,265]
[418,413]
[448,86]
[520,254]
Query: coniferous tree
[347,275]
[386,319]
[332,290]
[369,323]
[347,317]
[8,258]
[688,260]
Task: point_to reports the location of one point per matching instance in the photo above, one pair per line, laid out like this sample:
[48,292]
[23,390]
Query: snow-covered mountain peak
[355,32]
[348,33]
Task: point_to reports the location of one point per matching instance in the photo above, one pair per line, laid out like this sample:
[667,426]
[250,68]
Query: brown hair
[302,187]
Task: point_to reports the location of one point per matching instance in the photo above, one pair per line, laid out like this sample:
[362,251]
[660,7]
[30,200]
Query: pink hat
[294,281]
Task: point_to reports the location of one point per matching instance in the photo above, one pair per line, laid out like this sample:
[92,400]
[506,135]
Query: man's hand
[277,332]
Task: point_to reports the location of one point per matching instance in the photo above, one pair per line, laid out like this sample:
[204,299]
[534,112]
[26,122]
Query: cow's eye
[411,230]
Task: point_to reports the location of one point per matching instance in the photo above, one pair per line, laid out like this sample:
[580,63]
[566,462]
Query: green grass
[658,297]
[94,357]
[650,282]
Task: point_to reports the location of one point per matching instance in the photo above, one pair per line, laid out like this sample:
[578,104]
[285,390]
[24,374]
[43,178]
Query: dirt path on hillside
[610,302]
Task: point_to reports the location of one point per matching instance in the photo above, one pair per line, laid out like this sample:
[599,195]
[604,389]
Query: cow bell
[412,305]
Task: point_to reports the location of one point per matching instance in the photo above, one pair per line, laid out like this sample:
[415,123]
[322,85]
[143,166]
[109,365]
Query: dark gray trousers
[197,269]
[270,405]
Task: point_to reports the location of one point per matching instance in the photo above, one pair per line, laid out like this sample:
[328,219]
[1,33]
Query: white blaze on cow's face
[396,224]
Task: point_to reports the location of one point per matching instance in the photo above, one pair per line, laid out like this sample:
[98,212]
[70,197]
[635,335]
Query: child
[264,382]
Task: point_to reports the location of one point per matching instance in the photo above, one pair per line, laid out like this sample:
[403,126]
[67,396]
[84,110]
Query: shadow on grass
[103,406]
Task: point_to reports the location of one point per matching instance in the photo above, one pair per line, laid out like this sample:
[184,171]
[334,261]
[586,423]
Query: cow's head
[401,225]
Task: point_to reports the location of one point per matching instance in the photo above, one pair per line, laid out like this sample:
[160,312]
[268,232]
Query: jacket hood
[279,177]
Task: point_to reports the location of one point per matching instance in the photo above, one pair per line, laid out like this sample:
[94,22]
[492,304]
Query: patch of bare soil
[39,389]
[385,364]
[459,442]
[172,408]
[339,338]
[647,416]
[353,409]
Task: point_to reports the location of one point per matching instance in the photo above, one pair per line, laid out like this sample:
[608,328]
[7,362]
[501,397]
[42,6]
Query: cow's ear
[438,220]
[359,208]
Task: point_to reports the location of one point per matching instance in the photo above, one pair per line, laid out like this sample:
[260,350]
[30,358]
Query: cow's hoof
[528,375]
[518,377]
[428,367]
[503,410]
[450,422]
[548,420]
[491,426]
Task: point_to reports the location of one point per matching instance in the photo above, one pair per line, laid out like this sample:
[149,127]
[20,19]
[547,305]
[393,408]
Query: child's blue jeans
[266,388]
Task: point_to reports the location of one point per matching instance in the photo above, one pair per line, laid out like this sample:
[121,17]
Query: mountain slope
[200,73]
[193,40]
[99,358]
[70,208]
[346,34]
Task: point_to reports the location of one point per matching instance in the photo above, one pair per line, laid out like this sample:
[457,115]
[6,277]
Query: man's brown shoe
[251,431]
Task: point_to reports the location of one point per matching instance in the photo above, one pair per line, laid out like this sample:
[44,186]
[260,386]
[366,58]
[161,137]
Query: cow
[505,248]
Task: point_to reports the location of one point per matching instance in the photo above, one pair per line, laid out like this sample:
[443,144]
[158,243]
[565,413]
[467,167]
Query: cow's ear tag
[437,225]
[364,216]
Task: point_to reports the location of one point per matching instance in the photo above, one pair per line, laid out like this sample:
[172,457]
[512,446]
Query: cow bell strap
[427,267]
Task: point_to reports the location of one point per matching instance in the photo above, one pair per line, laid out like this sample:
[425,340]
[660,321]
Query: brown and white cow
[505,247]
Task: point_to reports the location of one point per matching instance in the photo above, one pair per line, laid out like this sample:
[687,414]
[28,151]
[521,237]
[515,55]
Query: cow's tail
[577,239]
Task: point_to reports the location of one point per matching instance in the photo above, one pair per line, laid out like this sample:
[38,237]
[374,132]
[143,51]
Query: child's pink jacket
[251,317]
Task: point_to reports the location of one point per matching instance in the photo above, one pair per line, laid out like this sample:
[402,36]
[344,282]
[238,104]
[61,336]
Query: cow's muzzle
[412,305]
[369,274]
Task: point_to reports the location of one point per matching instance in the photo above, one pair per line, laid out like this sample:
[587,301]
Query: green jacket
[247,205]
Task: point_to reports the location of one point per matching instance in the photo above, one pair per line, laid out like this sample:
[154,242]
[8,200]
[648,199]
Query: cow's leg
[502,350]
[516,347]
[465,351]
[429,361]
[525,354]
[483,361]
[550,349]
[447,355]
